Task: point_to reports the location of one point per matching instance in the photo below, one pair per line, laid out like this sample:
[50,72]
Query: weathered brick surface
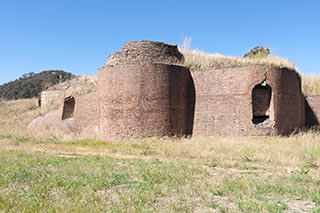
[289,101]
[143,100]
[47,97]
[86,113]
[224,101]
[143,52]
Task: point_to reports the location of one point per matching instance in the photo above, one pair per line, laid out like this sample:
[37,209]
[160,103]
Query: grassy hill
[31,84]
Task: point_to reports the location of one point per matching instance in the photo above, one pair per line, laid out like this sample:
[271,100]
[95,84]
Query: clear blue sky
[78,35]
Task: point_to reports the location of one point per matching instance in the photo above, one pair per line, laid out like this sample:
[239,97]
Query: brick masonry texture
[86,113]
[143,100]
[145,91]
[224,101]
[47,97]
[142,52]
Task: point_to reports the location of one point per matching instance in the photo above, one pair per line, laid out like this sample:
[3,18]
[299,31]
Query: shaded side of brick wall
[290,102]
[144,100]
[312,110]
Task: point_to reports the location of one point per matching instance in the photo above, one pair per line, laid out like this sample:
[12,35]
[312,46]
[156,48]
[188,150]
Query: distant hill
[31,84]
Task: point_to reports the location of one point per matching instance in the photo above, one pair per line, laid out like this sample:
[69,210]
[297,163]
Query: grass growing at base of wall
[254,174]
[78,86]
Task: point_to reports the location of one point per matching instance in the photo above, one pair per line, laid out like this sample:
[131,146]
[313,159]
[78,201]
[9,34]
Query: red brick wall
[143,100]
[224,101]
[86,113]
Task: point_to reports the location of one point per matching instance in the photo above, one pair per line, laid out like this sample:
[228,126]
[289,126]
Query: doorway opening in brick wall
[68,108]
[261,98]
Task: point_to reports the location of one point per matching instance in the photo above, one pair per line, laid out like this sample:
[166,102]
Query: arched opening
[68,108]
[261,98]
[39,101]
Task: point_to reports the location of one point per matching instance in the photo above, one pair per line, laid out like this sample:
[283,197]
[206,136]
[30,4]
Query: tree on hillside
[28,75]
[29,85]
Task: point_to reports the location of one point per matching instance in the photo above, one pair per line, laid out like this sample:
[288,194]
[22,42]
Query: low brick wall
[47,97]
[83,117]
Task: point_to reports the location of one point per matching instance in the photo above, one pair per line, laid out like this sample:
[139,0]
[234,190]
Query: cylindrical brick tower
[143,91]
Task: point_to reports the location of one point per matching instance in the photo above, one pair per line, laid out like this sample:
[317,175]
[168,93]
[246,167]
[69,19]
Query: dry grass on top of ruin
[78,86]
[199,60]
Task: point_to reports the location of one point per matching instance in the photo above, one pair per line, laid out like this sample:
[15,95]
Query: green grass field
[253,174]
[245,174]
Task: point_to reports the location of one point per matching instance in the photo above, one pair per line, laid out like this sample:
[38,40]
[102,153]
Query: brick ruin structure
[142,92]
[145,90]
[251,100]
[69,109]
